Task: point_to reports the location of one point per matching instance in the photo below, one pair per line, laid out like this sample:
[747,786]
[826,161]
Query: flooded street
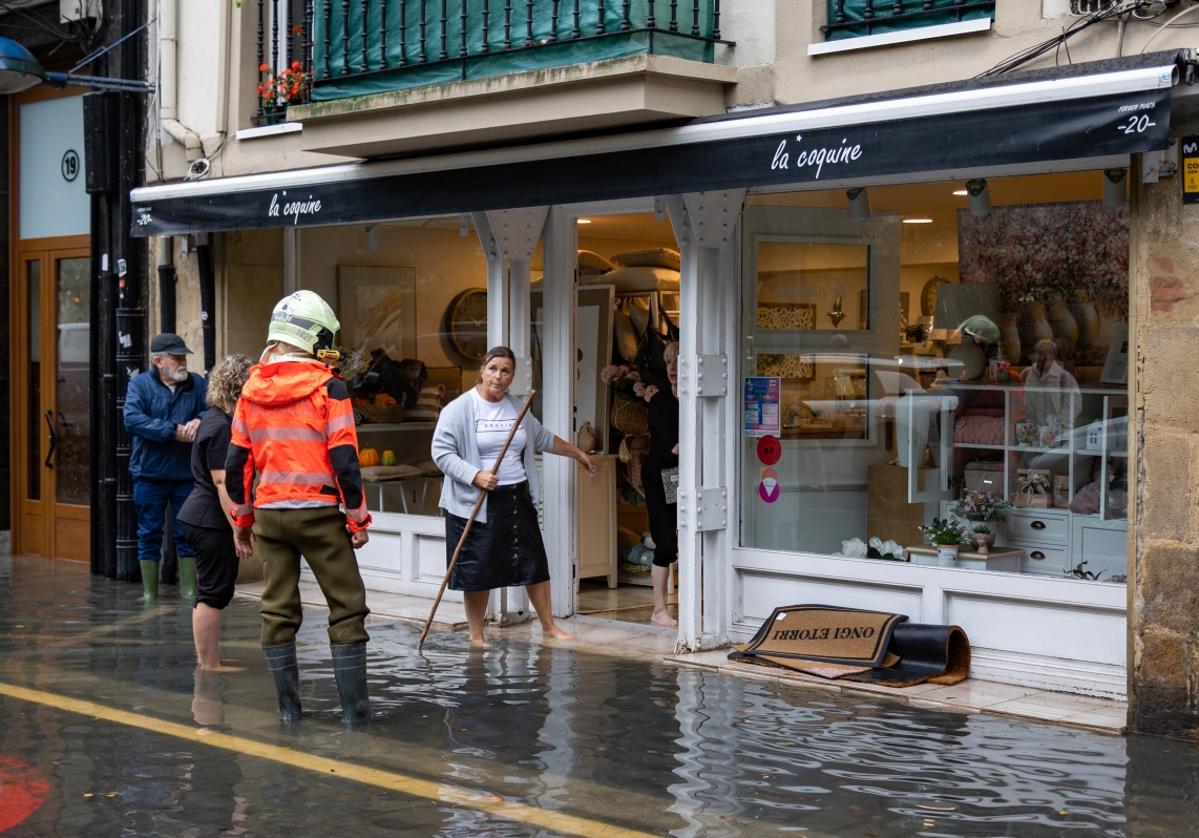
[107,729]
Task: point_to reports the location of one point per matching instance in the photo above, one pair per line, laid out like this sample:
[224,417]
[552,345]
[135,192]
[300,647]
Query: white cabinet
[1102,544]
[595,514]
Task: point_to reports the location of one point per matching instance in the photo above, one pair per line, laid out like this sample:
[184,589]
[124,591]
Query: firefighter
[294,430]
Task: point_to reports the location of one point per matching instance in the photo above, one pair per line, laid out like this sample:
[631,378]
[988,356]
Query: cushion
[624,336]
[591,263]
[428,405]
[642,278]
[652,257]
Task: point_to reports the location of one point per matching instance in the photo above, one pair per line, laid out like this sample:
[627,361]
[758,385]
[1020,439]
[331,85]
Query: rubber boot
[285,672]
[349,669]
[149,581]
[187,577]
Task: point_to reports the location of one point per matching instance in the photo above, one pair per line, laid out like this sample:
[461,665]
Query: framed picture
[377,309]
[1115,369]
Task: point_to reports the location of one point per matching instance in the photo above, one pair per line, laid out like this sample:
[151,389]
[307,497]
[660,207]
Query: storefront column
[509,238]
[558,398]
[1164,583]
[705,223]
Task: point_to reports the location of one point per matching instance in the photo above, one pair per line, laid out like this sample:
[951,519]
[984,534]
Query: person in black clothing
[661,505]
[206,512]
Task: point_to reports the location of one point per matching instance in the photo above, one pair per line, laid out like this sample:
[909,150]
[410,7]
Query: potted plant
[947,535]
[982,508]
[279,88]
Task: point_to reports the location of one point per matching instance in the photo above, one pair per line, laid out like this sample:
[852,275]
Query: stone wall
[1164,585]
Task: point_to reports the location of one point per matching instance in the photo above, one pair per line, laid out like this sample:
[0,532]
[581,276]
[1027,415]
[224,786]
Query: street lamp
[19,71]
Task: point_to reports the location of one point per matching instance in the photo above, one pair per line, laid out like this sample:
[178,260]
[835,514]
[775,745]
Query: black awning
[968,125]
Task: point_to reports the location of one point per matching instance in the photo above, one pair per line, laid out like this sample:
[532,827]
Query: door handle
[1037,525]
[1036,554]
[53,438]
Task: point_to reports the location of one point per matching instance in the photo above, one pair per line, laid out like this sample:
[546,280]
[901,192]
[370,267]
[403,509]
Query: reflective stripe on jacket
[294,429]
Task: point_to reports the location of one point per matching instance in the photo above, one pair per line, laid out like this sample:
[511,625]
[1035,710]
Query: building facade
[910,250]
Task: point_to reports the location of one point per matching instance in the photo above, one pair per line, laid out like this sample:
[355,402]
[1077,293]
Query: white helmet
[303,319]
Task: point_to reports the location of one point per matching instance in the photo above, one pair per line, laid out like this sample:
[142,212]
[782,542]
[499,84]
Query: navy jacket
[151,413]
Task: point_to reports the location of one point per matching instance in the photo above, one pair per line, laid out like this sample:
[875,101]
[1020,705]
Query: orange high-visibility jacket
[294,428]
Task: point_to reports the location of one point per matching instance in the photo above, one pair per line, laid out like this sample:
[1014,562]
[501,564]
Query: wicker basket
[630,416]
[379,414]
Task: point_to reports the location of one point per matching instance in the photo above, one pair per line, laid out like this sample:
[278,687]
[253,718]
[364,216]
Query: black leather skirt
[507,551]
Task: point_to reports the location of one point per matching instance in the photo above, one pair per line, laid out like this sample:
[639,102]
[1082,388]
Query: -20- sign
[1136,125]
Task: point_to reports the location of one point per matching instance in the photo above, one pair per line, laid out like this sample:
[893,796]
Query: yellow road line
[413,786]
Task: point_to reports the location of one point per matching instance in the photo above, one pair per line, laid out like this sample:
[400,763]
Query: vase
[1064,326]
[1033,327]
[1009,340]
[1088,323]
[984,541]
[947,555]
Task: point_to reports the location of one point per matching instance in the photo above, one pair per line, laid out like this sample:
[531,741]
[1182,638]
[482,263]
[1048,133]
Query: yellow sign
[1190,170]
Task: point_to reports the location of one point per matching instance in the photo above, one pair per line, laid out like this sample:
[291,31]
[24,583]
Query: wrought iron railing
[329,49]
[852,18]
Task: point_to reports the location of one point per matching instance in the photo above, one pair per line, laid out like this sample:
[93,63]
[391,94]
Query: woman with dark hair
[504,547]
[205,513]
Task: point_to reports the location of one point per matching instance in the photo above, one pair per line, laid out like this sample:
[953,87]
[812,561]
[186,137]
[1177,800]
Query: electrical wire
[1162,28]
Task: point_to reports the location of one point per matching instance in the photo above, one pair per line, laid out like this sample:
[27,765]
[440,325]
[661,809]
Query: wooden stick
[471,520]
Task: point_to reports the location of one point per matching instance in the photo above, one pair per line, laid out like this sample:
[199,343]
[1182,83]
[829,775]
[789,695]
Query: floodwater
[516,740]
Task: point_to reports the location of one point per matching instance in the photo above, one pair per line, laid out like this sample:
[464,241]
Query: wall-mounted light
[1113,187]
[859,203]
[980,197]
[372,237]
[19,71]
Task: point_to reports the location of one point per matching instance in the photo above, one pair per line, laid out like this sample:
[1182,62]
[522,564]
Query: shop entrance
[627,311]
[51,304]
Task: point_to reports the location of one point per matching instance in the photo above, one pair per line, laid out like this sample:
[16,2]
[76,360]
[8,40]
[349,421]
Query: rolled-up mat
[869,646]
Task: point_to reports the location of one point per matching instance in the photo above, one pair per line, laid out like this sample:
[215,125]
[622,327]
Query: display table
[998,558]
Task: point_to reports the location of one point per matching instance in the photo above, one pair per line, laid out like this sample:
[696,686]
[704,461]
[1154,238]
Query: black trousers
[663,516]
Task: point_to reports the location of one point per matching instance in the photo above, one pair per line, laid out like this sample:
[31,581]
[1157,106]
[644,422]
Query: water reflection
[669,751]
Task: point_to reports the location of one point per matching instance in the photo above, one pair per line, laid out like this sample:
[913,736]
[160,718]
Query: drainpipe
[166,284]
[207,301]
[168,45]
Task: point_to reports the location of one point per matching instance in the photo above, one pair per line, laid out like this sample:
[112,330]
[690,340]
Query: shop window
[939,356]
[857,18]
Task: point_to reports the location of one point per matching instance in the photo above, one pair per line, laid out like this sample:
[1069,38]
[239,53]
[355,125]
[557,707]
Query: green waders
[318,534]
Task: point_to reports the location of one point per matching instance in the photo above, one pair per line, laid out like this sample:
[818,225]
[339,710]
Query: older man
[162,413]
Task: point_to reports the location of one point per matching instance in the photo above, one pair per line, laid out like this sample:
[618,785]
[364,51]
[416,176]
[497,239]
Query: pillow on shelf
[651,257]
[642,278]
[428,405]
[591,263]
[624,336]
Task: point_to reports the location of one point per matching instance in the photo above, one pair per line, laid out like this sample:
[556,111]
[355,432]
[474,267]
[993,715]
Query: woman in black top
[663,454]
[206,512]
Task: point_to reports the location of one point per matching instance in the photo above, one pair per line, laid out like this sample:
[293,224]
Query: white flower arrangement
[889,550]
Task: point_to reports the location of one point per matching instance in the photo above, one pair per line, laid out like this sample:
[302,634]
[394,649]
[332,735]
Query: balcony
[860,18]
[394,76]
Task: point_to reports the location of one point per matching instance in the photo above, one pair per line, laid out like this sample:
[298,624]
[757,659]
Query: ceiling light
[583,220]
[918,220]
[980,197]
[859,203]
[961,193]
[1113,187]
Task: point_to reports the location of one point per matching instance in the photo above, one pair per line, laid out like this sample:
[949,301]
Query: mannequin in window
[1052,395]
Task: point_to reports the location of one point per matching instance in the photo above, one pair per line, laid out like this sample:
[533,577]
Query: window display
[995,409]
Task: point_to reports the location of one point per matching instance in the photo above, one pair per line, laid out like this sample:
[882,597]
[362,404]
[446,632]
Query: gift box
[1034,488]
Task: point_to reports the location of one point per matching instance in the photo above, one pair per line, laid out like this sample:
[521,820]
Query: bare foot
[223,667]
[557,632]
[663,618]
[478,643]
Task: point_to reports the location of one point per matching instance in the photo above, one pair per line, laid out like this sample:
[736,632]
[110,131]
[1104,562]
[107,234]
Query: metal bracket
[712,509]
[1159,164]
[712,216]
[712,376]
[517,232]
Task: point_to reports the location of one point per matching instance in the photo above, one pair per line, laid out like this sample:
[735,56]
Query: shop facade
[826,382]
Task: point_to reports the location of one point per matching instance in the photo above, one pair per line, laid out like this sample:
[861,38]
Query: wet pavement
[107,729]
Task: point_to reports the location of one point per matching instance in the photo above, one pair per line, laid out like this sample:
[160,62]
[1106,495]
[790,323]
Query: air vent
[1086,7]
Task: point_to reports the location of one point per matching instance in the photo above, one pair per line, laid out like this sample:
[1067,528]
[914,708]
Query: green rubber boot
[187,577]
[149,581]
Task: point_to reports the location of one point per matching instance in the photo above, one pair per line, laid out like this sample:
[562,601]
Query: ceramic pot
[947,555]
[1064,326]
[1033,327]
[1009,341]
[1088,323]
[984,541]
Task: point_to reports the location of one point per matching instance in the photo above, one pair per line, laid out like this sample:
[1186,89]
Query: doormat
[868,646]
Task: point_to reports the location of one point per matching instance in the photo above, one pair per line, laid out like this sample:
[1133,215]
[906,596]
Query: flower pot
[984,541]
[947,555]
[1064,326]
[1033,327]
[1088,323]
[1009,329]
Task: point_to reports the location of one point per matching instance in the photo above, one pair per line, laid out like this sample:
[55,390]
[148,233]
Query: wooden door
[52,381]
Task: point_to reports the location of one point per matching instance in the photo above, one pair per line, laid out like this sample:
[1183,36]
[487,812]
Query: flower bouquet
[888,550]
[947,535]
